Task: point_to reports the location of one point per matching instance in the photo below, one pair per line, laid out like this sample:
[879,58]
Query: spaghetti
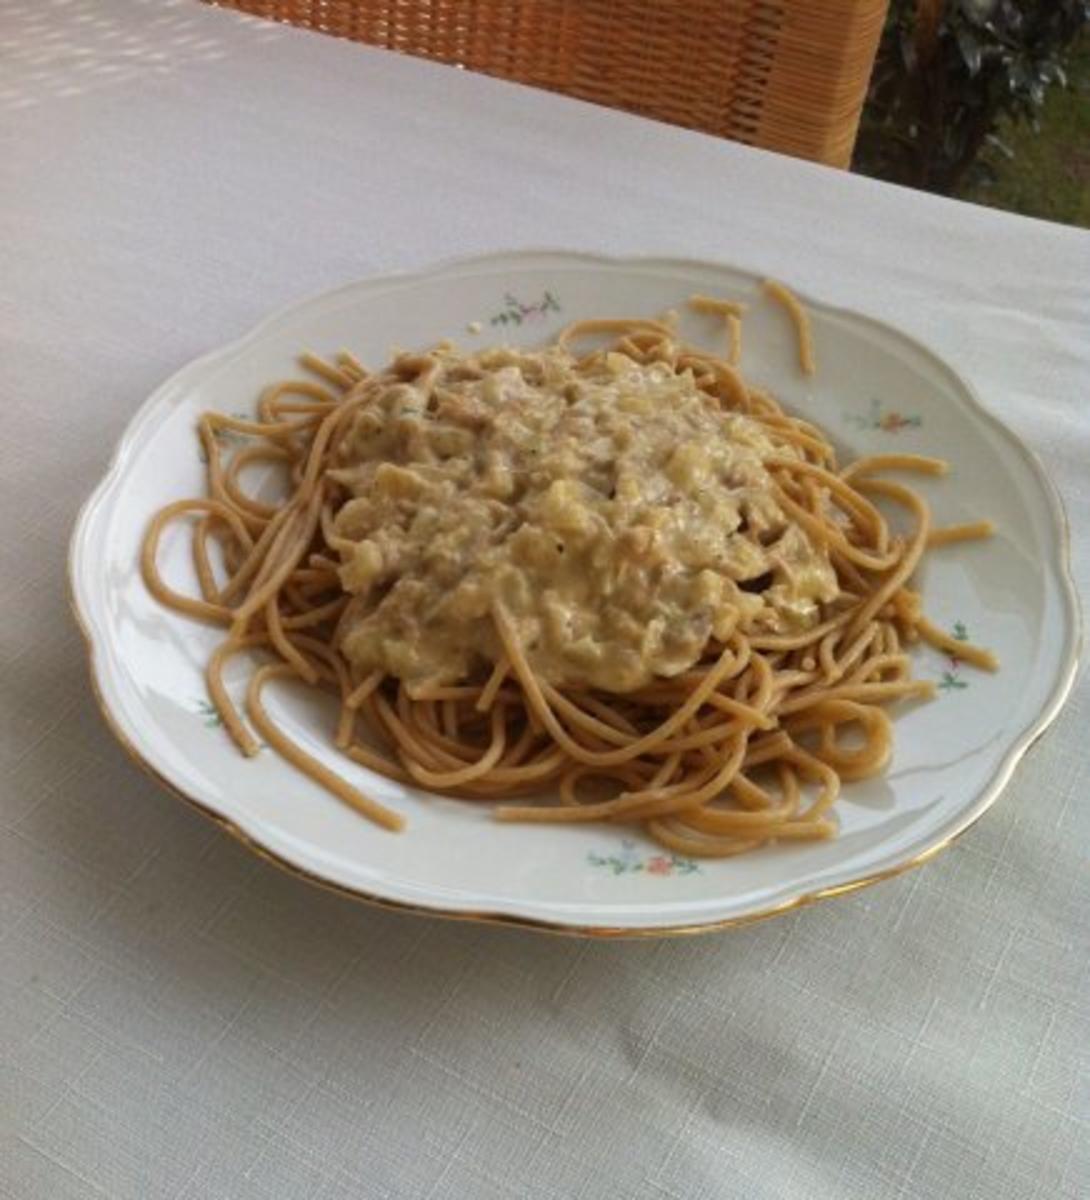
[619,577]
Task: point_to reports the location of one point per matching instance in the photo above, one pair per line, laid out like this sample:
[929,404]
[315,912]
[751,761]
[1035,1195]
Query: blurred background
[984,100]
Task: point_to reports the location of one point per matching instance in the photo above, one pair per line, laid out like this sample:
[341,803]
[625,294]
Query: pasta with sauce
[617,580]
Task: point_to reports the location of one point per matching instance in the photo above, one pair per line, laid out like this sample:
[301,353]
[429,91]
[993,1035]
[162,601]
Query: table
[179,1021]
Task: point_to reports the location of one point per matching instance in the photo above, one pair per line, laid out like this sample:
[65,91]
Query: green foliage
[938,94]
[1049,175]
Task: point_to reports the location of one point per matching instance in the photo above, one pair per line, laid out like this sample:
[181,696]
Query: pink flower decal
[628,861]
[886,422]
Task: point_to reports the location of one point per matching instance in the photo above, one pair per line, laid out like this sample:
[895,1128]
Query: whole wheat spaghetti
[617,581]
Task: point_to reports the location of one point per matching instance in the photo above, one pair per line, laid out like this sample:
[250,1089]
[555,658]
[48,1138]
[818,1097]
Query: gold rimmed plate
[876,390]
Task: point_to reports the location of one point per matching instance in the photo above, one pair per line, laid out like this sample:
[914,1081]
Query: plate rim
[1027,738]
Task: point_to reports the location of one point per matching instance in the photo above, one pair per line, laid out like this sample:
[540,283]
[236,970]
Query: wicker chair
[788,75]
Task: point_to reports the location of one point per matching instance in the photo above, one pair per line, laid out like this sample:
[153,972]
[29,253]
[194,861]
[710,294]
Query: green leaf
[1000,146]
[970,49]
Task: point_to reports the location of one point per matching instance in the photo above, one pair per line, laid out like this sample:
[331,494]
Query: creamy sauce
[612,508]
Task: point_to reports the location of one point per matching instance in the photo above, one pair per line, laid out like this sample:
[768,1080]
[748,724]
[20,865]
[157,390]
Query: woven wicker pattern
[789,75]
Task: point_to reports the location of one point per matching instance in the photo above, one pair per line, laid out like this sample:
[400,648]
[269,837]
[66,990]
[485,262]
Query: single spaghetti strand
[800,318]
[205,610]
[309,765]
[971,531]
[217,689]
[488,693]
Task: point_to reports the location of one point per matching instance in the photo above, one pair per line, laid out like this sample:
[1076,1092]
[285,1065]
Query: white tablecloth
[179,1021]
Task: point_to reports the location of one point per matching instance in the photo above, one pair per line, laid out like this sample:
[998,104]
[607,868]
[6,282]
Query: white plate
[875,390]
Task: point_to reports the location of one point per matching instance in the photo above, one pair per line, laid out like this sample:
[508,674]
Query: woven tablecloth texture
[179,1021]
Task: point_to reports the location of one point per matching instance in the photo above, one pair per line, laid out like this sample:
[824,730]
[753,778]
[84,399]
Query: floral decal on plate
[888,422]
[630,861]
[210,713]
[210,717]
[951,680]
[515,311]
